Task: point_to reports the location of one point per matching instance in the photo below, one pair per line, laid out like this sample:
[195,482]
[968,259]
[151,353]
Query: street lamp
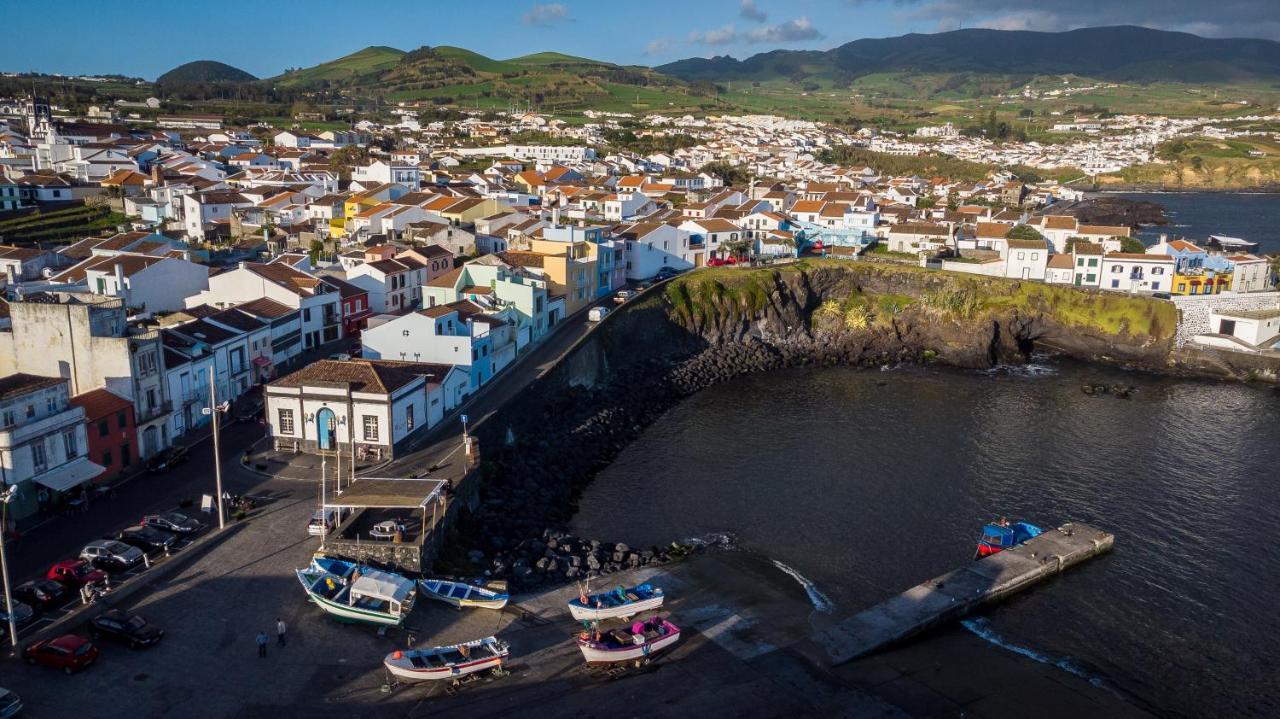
[8,496]
[213,410]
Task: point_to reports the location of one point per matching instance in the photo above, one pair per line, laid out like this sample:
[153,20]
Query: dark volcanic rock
[1109,210]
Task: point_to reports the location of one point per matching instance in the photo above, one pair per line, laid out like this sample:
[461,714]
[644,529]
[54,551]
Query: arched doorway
[326,428]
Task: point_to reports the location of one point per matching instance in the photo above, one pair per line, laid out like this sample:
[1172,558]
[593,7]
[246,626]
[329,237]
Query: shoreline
[1164,190]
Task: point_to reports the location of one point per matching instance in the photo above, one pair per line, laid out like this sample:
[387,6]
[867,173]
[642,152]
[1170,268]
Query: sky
[145,38]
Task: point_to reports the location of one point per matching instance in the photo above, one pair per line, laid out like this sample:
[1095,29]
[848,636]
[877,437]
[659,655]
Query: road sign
[464,419]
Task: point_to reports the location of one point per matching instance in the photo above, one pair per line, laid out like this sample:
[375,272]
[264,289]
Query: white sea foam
[982,628]
[820,601]
[717,540]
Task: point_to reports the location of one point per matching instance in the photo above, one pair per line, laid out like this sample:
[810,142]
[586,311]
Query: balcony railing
[157,410]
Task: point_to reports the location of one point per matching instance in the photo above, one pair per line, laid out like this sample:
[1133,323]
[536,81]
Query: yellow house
[569,269]
[1200,281]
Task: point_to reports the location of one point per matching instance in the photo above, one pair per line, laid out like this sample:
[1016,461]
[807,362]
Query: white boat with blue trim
[366,595]
[624,602]
[461,594]
[449,662]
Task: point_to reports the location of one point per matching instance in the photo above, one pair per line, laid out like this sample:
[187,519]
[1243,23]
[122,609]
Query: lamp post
[217,458]
[8,496]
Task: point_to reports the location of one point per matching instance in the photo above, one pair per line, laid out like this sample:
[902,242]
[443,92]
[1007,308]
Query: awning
[261,361]
[69,475]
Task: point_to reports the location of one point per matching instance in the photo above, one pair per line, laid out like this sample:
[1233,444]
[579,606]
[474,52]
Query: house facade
[43,446]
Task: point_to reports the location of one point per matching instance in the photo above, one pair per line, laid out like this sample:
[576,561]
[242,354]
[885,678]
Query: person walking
[280,627]
[262,645]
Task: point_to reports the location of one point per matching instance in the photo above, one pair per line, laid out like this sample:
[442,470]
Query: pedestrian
[262,645]
[280,631]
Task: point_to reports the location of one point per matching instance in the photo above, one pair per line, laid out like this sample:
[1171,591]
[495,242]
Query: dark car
[22,614]
[76,573]
[148,539]
[41,594]
[665,273]
[68,652]
[125,628]
[175,522]
[168,459]
[249,412]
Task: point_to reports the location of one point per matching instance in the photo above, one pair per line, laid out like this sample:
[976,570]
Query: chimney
[242,264]
[155,173]
[119,278]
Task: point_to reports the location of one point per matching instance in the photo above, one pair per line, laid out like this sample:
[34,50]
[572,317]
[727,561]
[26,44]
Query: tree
[1132,244]
[1024,232]
[317,247]
[737,248]
[728,174]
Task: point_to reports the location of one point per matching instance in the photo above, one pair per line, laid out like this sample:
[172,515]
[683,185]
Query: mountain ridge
[1124,53]
[204,71]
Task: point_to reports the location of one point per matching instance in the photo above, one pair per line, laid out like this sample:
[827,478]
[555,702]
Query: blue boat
[1002,534]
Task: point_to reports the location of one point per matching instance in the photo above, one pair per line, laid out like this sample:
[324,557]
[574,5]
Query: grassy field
[69,223]
[1208,163]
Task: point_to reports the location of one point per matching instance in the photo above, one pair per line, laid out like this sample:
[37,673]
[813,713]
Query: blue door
[326,425]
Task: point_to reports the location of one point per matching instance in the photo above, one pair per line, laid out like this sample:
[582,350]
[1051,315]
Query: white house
[318,303]
[1243,330]
[652,246]
[458,333]
[362,407]
[379,172]
[200,210]
[1026,259]
[1134,272]
[43,442]
[145,283]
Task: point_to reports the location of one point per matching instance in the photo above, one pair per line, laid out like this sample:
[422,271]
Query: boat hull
[591,614]
[598,655]
[476,597]
[409,673]
[347,613]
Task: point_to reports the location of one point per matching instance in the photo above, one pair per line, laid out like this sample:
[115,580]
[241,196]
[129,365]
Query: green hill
[357,67]
[1126,54]
[204,71]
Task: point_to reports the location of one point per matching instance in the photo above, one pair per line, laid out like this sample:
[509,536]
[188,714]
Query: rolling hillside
[1129,54]
[356,67]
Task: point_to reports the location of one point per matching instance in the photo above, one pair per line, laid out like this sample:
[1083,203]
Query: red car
[68,652]
[76,573]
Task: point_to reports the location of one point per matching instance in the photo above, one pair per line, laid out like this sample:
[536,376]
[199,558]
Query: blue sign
[464,419]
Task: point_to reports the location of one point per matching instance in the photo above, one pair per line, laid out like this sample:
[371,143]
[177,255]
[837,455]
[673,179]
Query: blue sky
[147,37]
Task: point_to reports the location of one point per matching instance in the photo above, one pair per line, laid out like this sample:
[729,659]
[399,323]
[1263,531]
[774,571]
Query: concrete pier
[958,592]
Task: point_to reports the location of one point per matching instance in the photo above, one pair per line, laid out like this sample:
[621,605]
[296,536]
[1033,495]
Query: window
[147,363]
[1091,278]
[370,428]
[31,411]
[8,418]
[306,314]
[122,418]
[286,421]
[1157,270]
[1093,262]
[1116,269]
[69,443]
[106,458]
[38,458]
[125,458]
[1022,255]
[1115,284]
[408,418]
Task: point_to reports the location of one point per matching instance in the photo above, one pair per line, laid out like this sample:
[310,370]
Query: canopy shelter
[385,493]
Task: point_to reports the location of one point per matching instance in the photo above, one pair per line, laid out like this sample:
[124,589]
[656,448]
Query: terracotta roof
[372,376]
[1108,230]
[129,265]
[22,383]
[265,307]
[448,279]
[99,403]
[1060,262]
[522,259]
[346,289]
[1059,222]
[920,228]
[1026,244]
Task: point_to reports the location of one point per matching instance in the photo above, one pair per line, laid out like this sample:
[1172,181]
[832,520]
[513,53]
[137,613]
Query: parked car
[125,628]
[665,273]
[112,555]
[69,652]
[41,594]
[250,410]
[10,704]
[595,314]
[22,613]
[148,539]
[175,522]
[166,460]
[340,356]
[76,573]
[322,521]
[623,296]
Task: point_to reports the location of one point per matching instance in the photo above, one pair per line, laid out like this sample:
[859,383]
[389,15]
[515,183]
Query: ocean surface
[1196,215]
[862,483]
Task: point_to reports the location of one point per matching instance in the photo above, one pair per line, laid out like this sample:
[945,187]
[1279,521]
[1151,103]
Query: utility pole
[217,459]
[5,498]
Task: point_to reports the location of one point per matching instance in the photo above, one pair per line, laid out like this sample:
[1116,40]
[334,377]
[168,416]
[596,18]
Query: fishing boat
[333,565]
[1002,534]
[451,662]
[461,594]
[638,642]
[364,595]
[622,602]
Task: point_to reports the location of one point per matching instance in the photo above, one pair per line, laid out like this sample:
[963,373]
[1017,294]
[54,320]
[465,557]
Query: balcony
[160,409]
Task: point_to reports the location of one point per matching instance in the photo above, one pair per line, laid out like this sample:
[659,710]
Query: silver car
[10,704]
[112,554]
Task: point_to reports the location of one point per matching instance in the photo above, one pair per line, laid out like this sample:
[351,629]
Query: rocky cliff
[712,325]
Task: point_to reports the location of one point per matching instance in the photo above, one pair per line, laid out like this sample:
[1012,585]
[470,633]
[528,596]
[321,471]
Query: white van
[595,314]
[322,521]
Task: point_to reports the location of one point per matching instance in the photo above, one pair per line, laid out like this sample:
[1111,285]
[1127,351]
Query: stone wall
[1193,312]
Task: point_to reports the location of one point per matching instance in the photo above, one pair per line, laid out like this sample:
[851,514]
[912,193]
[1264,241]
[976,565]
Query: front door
[326,423]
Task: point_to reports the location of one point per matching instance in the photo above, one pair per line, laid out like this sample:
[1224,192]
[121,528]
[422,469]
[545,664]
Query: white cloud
[719,36]
[798,30]
[657,47]
[548,14]
[748,10]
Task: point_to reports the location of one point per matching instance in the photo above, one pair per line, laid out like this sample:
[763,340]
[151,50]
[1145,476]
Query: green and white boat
[366,595]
